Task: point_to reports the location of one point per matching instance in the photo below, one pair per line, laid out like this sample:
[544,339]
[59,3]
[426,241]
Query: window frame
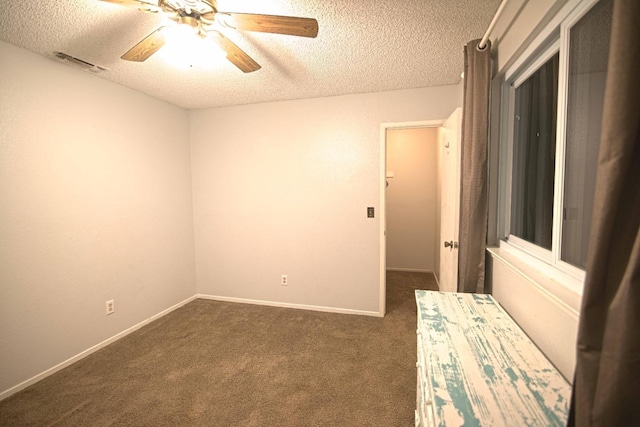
[540,59]
[554,38]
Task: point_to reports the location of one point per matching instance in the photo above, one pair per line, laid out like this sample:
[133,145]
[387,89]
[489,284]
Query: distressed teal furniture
[476,367]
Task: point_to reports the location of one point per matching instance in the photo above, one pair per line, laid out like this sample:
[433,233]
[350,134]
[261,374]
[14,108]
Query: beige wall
[412,230]
[95,205]
[283,188]
[96,191]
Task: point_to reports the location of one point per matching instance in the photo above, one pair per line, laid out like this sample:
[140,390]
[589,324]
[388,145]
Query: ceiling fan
[201,15]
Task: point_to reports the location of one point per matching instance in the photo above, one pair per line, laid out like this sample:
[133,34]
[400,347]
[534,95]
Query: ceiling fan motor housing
[191,20]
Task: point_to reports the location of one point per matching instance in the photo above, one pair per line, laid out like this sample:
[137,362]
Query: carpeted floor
[224,364]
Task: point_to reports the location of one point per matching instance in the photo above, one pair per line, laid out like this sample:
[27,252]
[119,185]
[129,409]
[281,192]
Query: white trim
[437,280]
[382,227]
[542,275]
[550,31]
[413,125]
[291,305]
[505,159]
[87,352]
[537,251]
[561,141]
[571,270]
[382,214]
[537,63]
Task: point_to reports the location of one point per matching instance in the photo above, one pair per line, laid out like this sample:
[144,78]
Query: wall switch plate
[284,281]
[111,308]
[371,212]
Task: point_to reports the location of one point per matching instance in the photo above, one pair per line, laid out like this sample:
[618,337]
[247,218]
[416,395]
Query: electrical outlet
[284,281]
[111,308]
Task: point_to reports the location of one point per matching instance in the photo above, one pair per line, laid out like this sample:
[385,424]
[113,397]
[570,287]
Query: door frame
[383,197]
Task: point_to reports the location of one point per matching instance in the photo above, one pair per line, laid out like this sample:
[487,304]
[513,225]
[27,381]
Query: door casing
[383,185]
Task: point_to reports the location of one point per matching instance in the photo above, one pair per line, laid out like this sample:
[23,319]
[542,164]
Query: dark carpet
[225,364]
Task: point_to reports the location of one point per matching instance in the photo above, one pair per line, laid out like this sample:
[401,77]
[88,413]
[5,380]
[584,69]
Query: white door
[450,201]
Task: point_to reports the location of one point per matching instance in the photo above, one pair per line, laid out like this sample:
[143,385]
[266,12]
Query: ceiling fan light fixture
[199,16]
[186,48]
[180,34]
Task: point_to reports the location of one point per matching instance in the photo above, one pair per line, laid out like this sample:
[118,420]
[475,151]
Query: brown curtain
[473,172]
[607,379]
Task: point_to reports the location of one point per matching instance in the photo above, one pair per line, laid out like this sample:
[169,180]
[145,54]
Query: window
[534,152]
[588,56]
[554,115]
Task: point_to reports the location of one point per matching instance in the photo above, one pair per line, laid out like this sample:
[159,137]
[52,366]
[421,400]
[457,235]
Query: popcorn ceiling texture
[362,46]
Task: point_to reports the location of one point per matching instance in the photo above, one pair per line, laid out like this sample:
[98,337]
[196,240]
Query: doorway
[446,199]
[412,200]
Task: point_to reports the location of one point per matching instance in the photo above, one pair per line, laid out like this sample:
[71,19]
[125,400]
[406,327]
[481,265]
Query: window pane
[534,148]
[588,55]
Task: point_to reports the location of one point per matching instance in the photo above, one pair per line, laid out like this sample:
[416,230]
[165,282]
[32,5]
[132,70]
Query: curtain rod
[483,42]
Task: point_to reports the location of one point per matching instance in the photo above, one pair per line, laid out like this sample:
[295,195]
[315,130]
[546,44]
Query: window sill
[557,283]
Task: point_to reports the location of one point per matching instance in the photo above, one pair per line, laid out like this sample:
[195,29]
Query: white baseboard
[290,305]
[409,270]
[87,352]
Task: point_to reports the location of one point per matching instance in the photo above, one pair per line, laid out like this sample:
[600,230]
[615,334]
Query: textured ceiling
[362,46]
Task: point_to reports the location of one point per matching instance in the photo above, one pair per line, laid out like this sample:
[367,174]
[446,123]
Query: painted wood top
[480,367]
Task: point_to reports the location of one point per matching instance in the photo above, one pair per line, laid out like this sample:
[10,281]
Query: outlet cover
[111,308]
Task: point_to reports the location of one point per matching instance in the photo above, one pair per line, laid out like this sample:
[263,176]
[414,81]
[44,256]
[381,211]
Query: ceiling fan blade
[147,47]
[139,4]
[289,25]
[236,55]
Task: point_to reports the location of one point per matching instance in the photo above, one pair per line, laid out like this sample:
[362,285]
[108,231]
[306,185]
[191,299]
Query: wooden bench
[476,367]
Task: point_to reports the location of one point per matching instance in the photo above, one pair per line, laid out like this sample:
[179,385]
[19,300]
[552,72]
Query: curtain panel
[473,171]
[607,378]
